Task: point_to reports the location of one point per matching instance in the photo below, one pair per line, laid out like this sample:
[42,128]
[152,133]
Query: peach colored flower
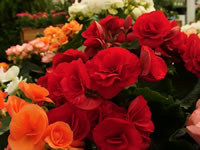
[198,103]
[63,40]
[193,125]
[73,26]
[44,39]
[38,44]
[2,97]
[27,128]
[14,105]
[47,57]
[35,92]
[51,31]
[54,46]
[59,135]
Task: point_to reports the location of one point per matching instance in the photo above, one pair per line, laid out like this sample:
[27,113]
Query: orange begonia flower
[2,96]
[54,46]
[51,31]
[4,65]
[14,105]
[44,39]
[27,128]
[35,92]
[59,135]
[63,39]
[73,26]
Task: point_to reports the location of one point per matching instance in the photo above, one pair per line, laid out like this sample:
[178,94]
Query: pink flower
[48,57]
[9,51]
[54,15]
[39,44]
[35,16]
[52,11]
[22,14]
[193,125]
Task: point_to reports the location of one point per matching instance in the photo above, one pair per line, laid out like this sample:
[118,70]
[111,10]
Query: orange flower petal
[4,65]
[2,96]
[51,31]
[14,105]
[25,144]
[59,135]
[46,99]
[27,128]
[34,92]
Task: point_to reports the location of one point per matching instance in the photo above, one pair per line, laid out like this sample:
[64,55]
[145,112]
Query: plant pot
[27,34]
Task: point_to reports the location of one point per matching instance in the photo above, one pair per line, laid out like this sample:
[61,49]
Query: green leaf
[191,98]
[82,48]
[164,87]
[5,124]
[28,67]
[180,145]
[166,113]
[130,45]
[183,81]
[179,133]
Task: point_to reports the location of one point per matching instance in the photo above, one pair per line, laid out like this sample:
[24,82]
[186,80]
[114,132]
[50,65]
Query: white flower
[136,12]
[87,8]
[117,4]
[95,6]
[187,27]
[9,75]
[78,9]
[12,87]
[137,7]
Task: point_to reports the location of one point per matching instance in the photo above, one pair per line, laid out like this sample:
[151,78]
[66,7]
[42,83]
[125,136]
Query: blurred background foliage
[10,28]
[168,7]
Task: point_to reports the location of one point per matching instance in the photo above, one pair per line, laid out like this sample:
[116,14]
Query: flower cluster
[41,19]
[137,7]
[82,83]
[161,35]
[105,95]
[87,8]
[47,46]
[33,16]
[29,126]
